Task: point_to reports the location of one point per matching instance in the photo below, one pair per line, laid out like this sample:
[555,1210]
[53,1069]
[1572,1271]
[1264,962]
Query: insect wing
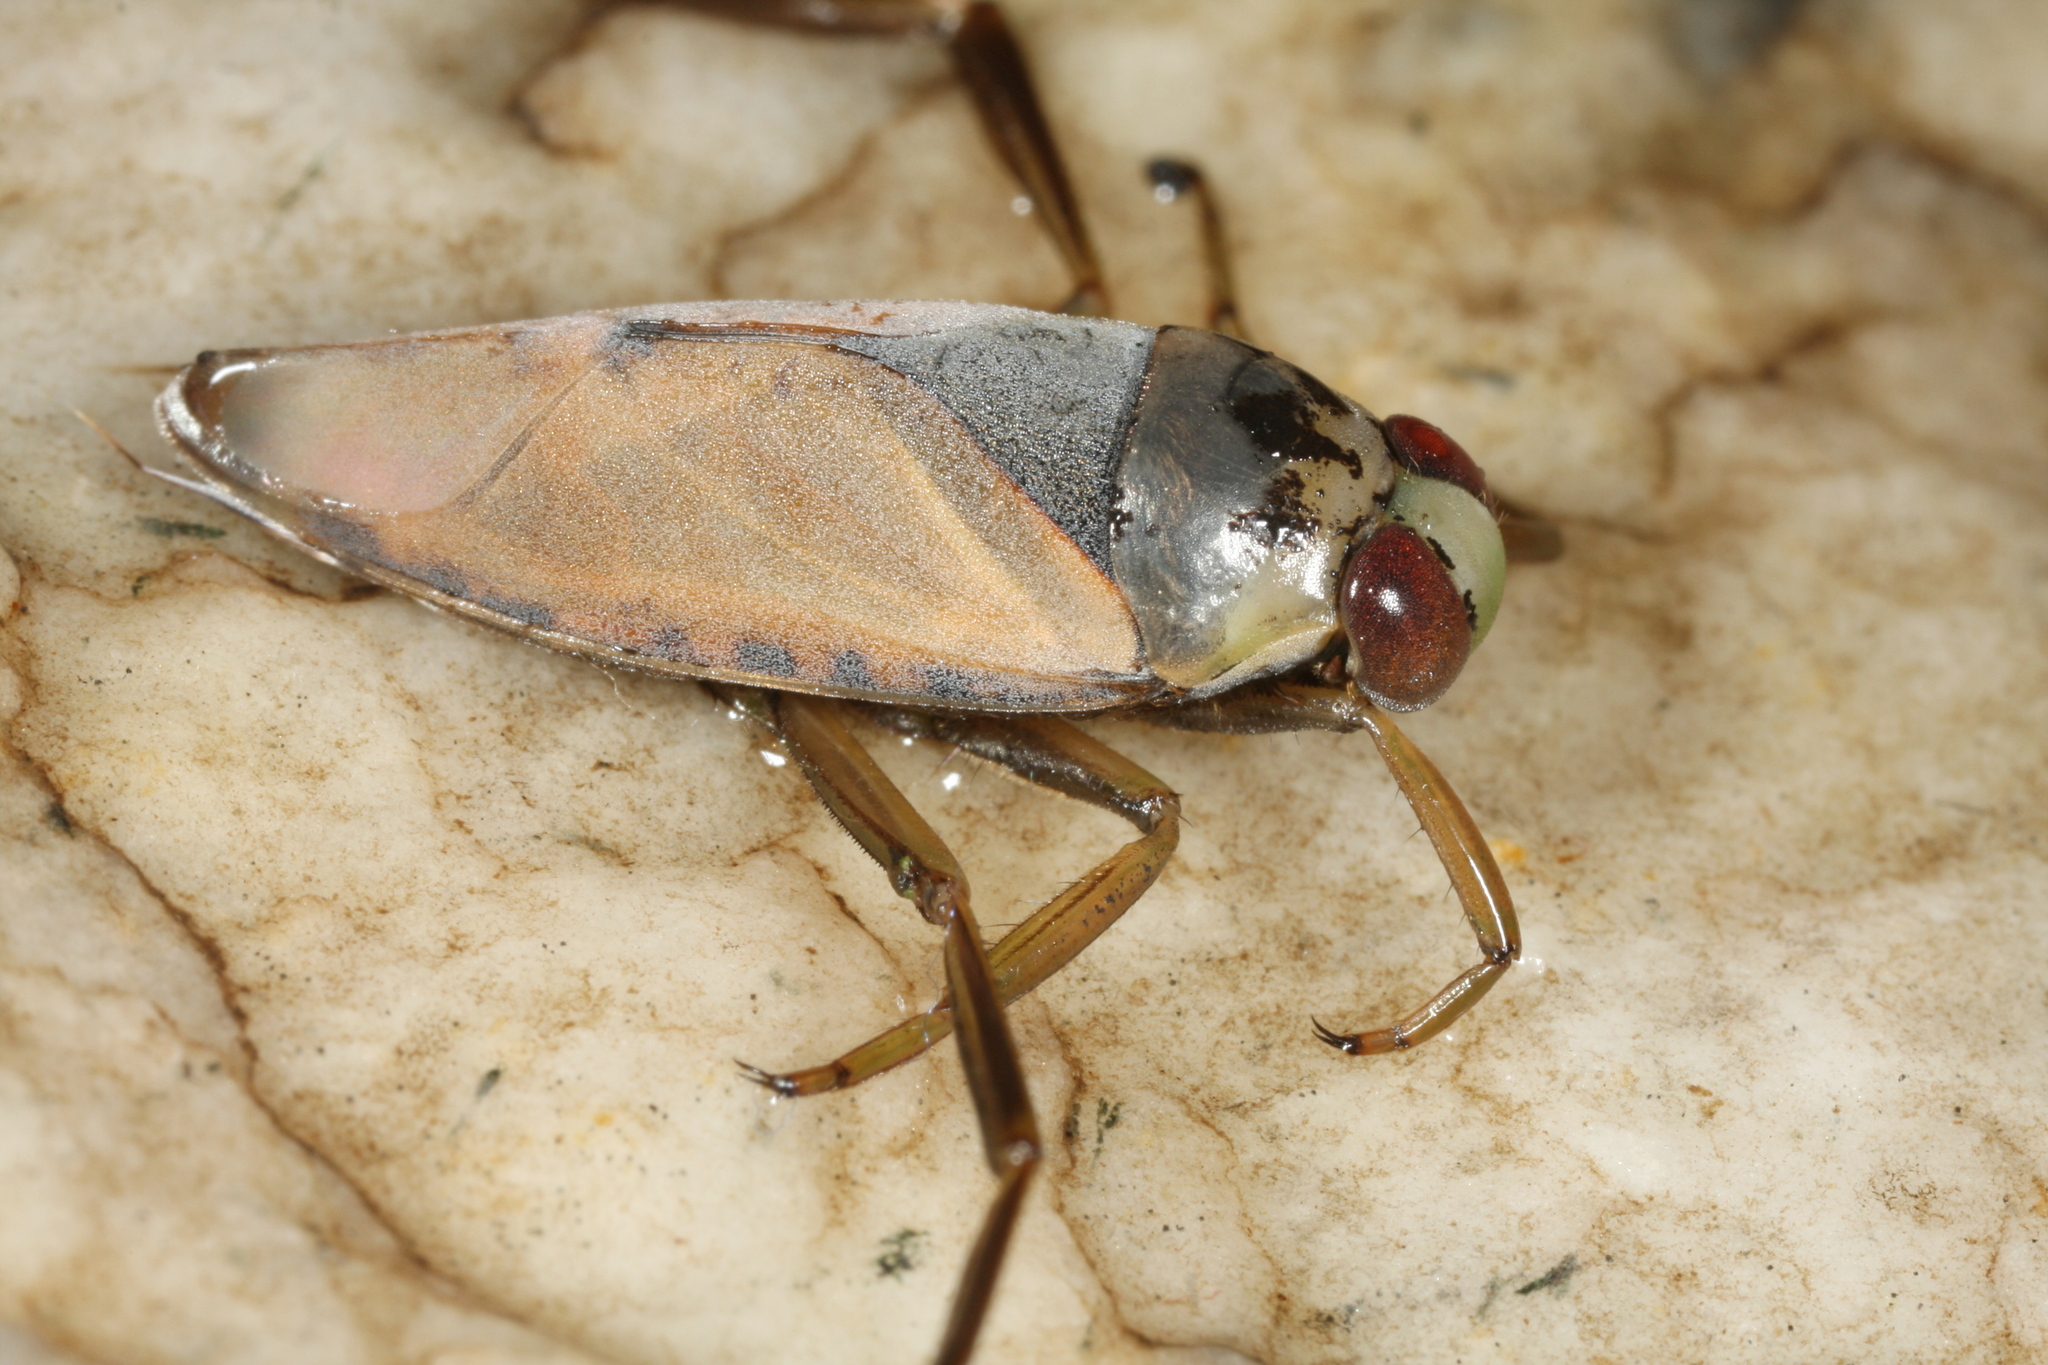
[744,501]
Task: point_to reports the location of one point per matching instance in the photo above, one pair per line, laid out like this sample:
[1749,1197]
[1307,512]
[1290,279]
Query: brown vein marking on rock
[216,960]
[1766,368]
[838,1188]
[1825,330]
[411,1255]
[348,588]
[1281,1303]
[1057,1177]
[2009,192]
[22,660]
[1502,1109]
[728,243]
[1280,1300]
[2028,1191]
[588,18]
[784,844]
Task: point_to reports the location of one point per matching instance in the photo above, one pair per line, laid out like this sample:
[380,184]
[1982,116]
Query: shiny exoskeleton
[1174,513]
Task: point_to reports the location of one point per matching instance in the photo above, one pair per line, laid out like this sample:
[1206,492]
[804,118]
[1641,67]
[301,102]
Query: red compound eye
[1424,448]
[1406,620]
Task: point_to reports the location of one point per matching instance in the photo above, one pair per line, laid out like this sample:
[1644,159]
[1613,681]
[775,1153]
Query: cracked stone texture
[370,983]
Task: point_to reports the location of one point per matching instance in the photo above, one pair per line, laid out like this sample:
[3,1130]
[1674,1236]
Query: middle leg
[1054,754]
[923,870]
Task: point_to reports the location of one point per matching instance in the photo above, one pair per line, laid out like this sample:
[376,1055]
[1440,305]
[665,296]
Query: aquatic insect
[972,522]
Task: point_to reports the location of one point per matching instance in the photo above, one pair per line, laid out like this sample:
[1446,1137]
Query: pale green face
[1465,537]
[1424,583]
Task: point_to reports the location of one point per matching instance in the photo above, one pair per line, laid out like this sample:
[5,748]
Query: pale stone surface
[371,983]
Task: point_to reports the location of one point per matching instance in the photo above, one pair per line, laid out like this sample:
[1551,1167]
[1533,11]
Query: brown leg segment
[1529,536]
[923,870]
[1481,891]
[1459,846]
[1053,754]
[992,67]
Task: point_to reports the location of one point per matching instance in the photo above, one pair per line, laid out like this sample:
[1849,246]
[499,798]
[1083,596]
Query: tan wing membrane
[742,506]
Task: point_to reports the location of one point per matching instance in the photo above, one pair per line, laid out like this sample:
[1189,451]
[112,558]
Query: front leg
[1482,892]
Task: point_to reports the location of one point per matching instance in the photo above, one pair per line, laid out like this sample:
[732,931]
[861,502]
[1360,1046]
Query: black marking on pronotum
[1471,611]
[1283,426]
[1284,518]
[1319,393]
[1276,526]
[850,669]
[769,661]
[1281,408]
[1441,553]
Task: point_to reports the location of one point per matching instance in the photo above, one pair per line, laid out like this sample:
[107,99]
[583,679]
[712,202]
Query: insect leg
[924,871]
[992,66]
[1474,874]
[1482,892]
[1056,755]
[1174,180]
[1528,536]
[998,78]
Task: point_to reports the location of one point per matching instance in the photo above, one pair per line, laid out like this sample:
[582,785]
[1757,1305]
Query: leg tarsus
[1475,876]
[1440,1013]
[1343,1042]
[793,1084]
